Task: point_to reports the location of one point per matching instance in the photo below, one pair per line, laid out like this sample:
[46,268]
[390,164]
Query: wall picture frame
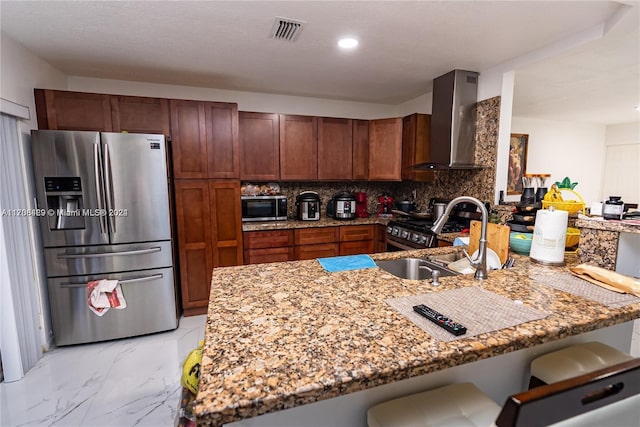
[518,146]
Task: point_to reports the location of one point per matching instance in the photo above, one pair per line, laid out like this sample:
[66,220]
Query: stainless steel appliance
[308,206]
[107,217]
[407,234]
[453,121]
[342,206]
[264,208]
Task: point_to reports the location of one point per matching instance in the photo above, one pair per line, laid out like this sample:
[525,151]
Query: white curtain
[20,339]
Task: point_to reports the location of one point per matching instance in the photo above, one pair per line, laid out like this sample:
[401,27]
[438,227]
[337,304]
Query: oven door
[395,244]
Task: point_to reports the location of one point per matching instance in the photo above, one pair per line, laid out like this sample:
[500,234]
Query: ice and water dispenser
[64,203]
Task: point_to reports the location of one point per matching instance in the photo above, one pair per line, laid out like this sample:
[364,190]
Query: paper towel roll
[549,235]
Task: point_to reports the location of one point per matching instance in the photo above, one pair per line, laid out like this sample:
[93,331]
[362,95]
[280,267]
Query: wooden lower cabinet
[380,238]
[308,243]
[209,235]
[355,248]
[268,246]
[322,250]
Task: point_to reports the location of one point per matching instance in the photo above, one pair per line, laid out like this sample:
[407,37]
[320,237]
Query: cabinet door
[135,114]
[322,250]
[195,247]
[312,236]
[416,140]
[380,242]
[351,233]
[226,220]
[63,110]
[360,149]
[356,248]
[221,125]
[385,149]
[259,256]
[189,145]
[335,149]
[267,239]
[298,148]
[259,146]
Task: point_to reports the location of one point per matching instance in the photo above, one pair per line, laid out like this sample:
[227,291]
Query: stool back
[564,400]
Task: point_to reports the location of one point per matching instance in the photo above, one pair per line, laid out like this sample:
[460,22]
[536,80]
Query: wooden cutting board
[497,239]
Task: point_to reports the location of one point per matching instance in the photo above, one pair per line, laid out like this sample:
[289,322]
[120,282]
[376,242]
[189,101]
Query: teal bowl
[520,242]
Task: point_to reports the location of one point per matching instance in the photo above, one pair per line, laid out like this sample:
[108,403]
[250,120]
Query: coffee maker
[361,205]
[385,205]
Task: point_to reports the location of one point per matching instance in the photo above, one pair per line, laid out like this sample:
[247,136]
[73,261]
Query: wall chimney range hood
[453,121]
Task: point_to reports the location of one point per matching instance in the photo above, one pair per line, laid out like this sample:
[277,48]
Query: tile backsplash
[448,184]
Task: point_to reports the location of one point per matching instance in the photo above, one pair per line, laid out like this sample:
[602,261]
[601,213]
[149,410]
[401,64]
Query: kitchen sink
[446,259]
[413,268]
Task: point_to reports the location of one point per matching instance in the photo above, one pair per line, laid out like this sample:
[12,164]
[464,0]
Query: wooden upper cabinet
[385,149]
[416,140]
[135,114]
[63,110]
[189,143]
[205,139]
[360,149]
[259,146]
[221,125]
[335,149]
[298,148]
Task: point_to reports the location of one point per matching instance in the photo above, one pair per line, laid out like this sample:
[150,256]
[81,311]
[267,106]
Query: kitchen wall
[20,72]
[622,163]
[572,149]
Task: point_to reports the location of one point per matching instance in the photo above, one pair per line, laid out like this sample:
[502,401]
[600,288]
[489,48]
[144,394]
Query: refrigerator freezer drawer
[151,307]
[84,260]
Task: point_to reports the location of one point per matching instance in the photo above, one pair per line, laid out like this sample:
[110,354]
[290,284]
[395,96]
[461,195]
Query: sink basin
[413,268]
[446,259]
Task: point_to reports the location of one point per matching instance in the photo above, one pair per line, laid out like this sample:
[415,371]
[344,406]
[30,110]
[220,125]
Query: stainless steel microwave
[264,208]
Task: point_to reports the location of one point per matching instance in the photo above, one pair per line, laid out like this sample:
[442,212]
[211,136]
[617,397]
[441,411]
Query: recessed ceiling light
[348,43]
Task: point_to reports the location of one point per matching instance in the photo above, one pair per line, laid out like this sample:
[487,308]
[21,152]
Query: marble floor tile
[127,382]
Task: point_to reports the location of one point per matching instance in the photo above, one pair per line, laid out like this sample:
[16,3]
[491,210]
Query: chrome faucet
[480,262]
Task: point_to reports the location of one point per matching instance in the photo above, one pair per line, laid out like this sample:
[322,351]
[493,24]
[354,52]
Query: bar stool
[454,405]
[465,405]
[573,361]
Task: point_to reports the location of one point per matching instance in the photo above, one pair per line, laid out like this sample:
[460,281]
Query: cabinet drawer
[267,239]
[258,256]
[321,250]
[354,233]
[313,236]
[355,248]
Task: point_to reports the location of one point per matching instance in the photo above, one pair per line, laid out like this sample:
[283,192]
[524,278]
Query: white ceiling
[403,46]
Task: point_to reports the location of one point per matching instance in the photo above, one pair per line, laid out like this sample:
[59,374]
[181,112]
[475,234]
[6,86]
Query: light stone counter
[282,335]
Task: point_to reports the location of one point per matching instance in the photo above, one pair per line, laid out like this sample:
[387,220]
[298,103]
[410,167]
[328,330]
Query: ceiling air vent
[286,29]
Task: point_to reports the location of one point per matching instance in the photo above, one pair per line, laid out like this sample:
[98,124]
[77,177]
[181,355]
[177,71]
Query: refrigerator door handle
[122,282]
[97,167]
[104,254]
[109,185]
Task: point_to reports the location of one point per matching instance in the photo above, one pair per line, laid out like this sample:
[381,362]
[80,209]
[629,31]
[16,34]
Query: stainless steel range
[416,234]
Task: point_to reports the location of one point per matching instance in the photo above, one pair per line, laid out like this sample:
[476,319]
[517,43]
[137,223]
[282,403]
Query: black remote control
[440,320]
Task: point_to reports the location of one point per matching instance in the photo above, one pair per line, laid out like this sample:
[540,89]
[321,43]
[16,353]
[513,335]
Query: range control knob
[415,237]
[404,234]
[389,229]
[395,232]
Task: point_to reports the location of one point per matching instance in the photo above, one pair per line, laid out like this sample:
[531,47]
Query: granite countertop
[323,222]
[285,334]
[626,226]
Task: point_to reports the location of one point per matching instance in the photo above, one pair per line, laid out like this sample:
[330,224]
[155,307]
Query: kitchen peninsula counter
[282,335]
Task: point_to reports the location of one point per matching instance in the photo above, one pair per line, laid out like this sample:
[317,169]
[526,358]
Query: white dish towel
[103,295]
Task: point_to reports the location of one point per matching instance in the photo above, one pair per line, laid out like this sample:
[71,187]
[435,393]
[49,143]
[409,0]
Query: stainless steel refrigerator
[103,206]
